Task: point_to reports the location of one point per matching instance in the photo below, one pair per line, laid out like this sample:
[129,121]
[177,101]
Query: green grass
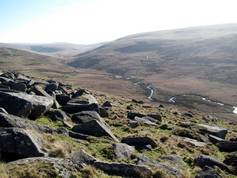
[48,122]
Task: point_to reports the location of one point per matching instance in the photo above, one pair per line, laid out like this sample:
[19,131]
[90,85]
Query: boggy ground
[59,131]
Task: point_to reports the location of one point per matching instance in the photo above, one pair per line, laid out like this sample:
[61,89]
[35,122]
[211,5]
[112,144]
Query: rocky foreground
[49,129]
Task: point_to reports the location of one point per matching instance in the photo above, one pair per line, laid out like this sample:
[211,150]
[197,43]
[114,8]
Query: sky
[94,21]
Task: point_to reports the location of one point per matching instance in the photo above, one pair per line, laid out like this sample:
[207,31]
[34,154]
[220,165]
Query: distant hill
[47,67]
[62,50]
[32,63]
[200,60]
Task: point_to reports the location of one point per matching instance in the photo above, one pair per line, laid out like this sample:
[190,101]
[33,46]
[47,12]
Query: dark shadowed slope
[200,60]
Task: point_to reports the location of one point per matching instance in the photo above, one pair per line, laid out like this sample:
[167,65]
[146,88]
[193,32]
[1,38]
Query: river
[235,110]
[151,92]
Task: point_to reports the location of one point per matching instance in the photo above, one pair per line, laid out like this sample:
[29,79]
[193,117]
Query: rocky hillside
[50,129]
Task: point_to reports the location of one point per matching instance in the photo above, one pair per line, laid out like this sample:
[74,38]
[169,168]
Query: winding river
[235,110]
[151,92]
[172,100]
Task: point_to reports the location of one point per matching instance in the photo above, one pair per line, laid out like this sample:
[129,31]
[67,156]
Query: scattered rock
[186,124]
[227,146]
[57,114]
[165,127]
[204,161]
[133,124]
[213,130]
[140,142]
[73,108]
[77,135]
[107,105]
[86,116]
[215,139]
[194,142]
[64,168]
[122,150]
[138,101]
[103,112]
[132,115]
[183,132]
[208,173]
[231,160]
[157,117]
[165,168]
[188,114]
[84,99]
[94,128]
[144,120]
[174,159]
[164,139]
[119,169]
[123,169]
[83,157]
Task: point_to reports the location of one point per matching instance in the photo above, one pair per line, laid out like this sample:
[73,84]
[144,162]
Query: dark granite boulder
[16,143]
[94,128]
[140,142]
[25,105]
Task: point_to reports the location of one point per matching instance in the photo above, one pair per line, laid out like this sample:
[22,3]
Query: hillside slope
[41,66]
[200,60]
[62,50]
[88,134]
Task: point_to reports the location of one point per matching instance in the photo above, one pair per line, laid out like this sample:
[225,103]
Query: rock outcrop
[16,143]
[26,105]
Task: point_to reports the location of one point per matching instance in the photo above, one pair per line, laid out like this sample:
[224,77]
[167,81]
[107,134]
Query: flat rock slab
[63,167]
[145,120]
[24,105]
[194,142]
[8,120]
[213,130]
[165,168]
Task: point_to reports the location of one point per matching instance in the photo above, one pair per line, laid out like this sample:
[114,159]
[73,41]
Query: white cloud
[101,20]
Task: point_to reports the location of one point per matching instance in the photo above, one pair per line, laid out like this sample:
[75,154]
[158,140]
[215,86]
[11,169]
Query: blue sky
[13,13]
[92,21]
